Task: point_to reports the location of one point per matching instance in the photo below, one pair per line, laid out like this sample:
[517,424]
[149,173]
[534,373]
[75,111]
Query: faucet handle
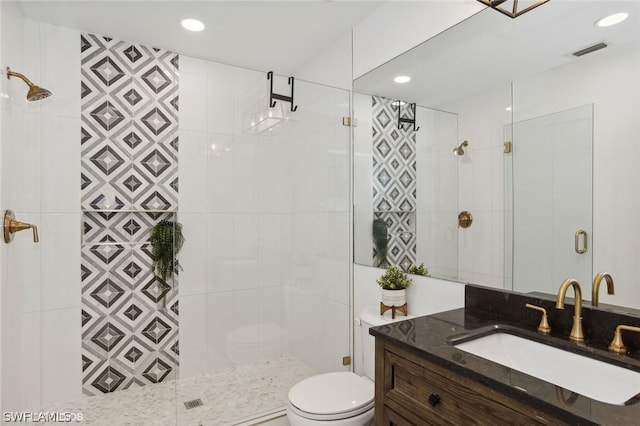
[11,226]
[617,345]
[543,327]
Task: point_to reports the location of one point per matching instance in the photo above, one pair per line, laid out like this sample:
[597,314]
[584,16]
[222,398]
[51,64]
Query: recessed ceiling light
[192,24]
[402,79]
[610,20]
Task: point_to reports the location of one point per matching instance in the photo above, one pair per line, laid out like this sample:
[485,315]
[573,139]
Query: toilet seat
[332,396]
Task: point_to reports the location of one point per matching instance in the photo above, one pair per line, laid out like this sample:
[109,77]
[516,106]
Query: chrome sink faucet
[577,335]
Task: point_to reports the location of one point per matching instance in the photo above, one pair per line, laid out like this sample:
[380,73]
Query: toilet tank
[370,317]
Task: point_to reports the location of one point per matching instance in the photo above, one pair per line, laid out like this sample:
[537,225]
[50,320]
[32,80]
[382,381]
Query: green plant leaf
[166,241]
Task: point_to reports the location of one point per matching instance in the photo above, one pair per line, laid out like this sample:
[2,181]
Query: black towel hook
[273,96]
[402,120]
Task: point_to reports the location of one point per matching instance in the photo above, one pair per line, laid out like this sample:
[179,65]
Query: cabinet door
[413,391]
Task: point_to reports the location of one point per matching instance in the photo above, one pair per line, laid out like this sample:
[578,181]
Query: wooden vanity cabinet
[413,391]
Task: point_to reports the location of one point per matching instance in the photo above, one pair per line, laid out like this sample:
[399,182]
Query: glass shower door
[552,210]
[264,203]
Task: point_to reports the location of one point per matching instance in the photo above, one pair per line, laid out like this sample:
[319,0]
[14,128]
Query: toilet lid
[333,394]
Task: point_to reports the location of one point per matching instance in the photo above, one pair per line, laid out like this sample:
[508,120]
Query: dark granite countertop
[428,337]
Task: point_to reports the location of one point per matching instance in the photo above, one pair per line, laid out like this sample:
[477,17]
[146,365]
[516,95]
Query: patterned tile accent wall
[394,179]
[129,182]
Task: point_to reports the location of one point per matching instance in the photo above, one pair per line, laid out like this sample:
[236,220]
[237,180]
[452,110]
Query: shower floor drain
[193,403]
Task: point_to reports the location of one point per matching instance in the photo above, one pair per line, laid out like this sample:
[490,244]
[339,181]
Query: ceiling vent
[589,49]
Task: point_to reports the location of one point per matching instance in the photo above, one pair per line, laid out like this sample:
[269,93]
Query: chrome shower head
[35,93]
[458,150]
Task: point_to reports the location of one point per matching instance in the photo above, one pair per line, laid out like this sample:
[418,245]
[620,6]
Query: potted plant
[394,283]
[166,241]
[418,270]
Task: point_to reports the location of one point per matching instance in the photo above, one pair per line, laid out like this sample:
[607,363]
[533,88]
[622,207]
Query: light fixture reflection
[611,20]
[262,120]
[192,24]
[402,79]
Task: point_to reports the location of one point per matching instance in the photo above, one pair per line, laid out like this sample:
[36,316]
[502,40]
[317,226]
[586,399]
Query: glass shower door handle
[585,243]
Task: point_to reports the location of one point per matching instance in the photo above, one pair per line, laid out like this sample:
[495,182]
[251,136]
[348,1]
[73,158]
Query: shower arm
[20,76]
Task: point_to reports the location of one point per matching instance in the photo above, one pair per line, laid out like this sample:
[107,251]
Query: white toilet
[342,398]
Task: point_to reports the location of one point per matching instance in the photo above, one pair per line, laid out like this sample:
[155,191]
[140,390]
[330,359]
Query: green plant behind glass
[380,243]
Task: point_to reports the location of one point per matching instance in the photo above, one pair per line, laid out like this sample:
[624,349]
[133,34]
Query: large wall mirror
[560,200]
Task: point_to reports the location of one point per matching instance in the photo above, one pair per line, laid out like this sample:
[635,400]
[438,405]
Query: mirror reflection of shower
[35,93]
[458,150]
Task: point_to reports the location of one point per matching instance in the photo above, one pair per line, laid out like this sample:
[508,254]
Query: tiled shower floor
[229,397]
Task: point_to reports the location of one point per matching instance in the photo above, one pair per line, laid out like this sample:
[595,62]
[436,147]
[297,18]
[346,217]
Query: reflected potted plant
[394,283]
[380,243]
[418,270]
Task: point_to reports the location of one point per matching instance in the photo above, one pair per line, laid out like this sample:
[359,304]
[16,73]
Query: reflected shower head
[35,93]
[458,149]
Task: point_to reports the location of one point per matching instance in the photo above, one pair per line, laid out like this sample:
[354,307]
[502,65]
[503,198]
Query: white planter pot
[394,297]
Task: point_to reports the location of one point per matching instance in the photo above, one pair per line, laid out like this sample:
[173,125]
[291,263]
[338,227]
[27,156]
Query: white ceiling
[262,35]
[489,49]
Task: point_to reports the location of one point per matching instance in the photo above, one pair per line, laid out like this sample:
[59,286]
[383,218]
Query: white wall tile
[24,162]
[245,326]
[192,171]
[221,98]
[61,356]
[194,355]
[269,181]
[193,256]
[245,253]
[60,251]
[219,179]
[220,251]
[60,141]
[271,335]
[220,322]
[245,174]
[21,362]
[270,250]
[193,84]
[60,71]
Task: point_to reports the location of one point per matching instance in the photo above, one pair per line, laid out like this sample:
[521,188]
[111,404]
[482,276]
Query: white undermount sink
[586,376]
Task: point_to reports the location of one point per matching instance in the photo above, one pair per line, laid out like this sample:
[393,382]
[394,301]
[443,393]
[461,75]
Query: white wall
[41,282]
[331,66]
[397,26]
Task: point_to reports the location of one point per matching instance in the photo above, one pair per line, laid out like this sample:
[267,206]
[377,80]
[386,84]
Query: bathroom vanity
[422,378]
[416,391]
